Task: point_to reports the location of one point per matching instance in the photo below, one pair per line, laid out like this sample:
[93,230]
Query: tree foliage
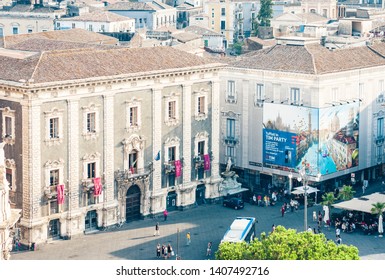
[265,12]
[378,208]
[346,193]
[328,200]
[287,244]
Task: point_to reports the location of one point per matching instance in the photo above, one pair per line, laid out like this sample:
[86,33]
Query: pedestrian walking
[309,229]
[338,232]
[165,214]
[157,231]
[273,228]
[158,250]
[188,239]
[208,251]
[314,216]
[283,210]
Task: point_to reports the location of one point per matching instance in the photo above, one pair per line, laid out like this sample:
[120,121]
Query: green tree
[254,28]
[265,12]
[346,193]
[238,47]
[378,209]
[287,244]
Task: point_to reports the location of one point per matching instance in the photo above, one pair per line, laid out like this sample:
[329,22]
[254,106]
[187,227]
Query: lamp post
[305,178]
[290,182]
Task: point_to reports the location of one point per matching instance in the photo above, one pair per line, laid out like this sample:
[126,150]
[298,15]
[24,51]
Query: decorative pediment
[54,164]
[91,157]
[134,142]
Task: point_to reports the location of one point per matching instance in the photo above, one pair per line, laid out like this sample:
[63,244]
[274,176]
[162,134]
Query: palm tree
[346,193]
[378,209]
[328,200]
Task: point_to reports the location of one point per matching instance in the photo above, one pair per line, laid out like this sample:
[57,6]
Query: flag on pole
[97,186]
[60,194]
[157,157]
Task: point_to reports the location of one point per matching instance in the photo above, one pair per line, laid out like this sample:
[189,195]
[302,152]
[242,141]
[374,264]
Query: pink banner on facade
[97,186]
[178,168]
[207,162]
[60,194]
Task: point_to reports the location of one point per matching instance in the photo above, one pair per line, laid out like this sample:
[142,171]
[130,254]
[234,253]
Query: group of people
[167,251]
[265,200]
[164,251]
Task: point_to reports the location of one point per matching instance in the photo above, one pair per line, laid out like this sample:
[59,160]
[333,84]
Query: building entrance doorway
[133,203]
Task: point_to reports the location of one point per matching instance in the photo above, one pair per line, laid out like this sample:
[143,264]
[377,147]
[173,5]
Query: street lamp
[305,178]
[290,182]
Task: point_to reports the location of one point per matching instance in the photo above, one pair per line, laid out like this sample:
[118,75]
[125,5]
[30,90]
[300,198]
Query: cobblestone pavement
[136,240]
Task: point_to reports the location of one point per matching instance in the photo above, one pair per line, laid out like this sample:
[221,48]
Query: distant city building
[149,15]
[98,21]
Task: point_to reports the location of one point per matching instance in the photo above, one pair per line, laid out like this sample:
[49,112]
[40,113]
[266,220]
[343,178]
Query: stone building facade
[96,137]
[289,77]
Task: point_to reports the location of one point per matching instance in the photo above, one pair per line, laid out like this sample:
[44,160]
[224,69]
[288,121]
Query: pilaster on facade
[215,128]
[187,133]
[73,154]
[157,138]
[108,128]
[245,123]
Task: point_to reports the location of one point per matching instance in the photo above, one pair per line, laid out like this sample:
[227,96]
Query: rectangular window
[223,25]
[295,96]
[15,30]
[90,27]
[230,128]
[201,148]
[91,171]
[231,88]
[54,128]
[230,152]
[133,116]
[260,93]
[73,25]
[171,153]
[172,110]
[8,127]
[29,30]
[91,122]
[54,177]
[223,11]
[133,160]
[201,105]
[380,127]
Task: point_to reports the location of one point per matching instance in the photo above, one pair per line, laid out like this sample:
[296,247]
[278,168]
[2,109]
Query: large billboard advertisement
[323,140]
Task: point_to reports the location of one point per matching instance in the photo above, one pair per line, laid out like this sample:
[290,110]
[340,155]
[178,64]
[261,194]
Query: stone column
[215,178]
[246,92]
[73,164]
[31,180]
[108,145]
[157,121]
[187,134]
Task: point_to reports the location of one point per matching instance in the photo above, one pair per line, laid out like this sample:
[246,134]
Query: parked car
[233,202]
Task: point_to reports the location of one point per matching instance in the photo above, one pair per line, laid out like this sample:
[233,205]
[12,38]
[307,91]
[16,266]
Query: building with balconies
[99,136]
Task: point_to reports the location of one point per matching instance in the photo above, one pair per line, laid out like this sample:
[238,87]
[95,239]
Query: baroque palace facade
[103,135]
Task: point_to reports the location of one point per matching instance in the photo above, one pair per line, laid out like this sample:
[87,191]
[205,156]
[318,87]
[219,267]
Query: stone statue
[228,166]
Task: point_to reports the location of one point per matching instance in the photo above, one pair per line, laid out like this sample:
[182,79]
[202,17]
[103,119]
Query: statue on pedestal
[230,179]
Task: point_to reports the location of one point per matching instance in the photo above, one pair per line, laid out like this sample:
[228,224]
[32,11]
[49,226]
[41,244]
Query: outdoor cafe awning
[301,190]
[362,204]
